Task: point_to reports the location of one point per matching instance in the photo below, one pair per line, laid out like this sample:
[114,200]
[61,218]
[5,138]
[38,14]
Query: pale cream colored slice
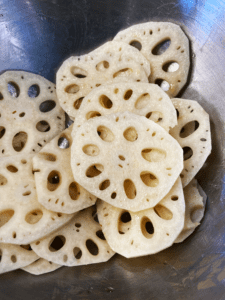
[41,266]
[125,160]
[22,218]
[81,242]
[194,136]
[195,201]
[143,99]
[113,61]
[145,232]
[13,257]
[166,47]
[65,195]
[28,119]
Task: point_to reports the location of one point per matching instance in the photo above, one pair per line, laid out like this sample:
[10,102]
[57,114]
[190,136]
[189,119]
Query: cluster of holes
[5,216]
[34,216]
[153,154]
[188,129]
[54,180]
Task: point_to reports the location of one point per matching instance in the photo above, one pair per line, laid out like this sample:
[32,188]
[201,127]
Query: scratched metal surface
[37,36]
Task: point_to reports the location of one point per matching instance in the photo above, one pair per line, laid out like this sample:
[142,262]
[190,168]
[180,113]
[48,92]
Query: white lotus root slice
[41,266]
[195,201]
[56,188]
[22,218]
[145,232]
[113,61]
[13,257]
[81,242]
[167,49]
[194,136]
[126,160]
[30,114]
[143,99]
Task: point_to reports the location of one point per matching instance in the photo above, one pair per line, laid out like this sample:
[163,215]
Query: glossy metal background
[37,36]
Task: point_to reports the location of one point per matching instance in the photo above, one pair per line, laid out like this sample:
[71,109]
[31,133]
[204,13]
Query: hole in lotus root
[91,150]
[2,131]
[47,106]
[13,259]
[43,126]
[187,151]
[163,212]
[78,102]
[102,65]
[171,66]
[77,252]
[163,84]
[127,94]
[92,247]
[57,243]
[125,217]
[136,44]
[13,89]
[95,215]
[26,247]
[105,102]
[147,228]
[149,179]
[19,141]
[161,47]
[142,101]
[129,188]
[100,235]
[33,91]
[5,216]
[0,255]
[53,181]
[92,114]
[78,72]
[130,134]
[188,129]
[3,180]
[72,89]
[34,216]
[123,72]
[63,142]
[196,214]
[94,170]
[153,154]
[104,185]
[105,133]
[1,96]
[47,156]
[12,169]
[121,157]
[113,195]
[74,191]
[155,116]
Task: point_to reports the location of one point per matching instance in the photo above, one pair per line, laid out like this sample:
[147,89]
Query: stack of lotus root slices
[121,178]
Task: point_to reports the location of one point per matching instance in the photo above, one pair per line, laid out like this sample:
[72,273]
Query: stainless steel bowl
[37,36]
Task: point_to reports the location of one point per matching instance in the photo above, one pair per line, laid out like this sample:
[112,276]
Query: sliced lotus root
[167,49]
[143,99]
[22,218]
[113,61]
[56,188]
[13,257]
[41,266]
[126,160]
[145,232]
[195,200]
[194,136]
[81,242]
[30,114]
